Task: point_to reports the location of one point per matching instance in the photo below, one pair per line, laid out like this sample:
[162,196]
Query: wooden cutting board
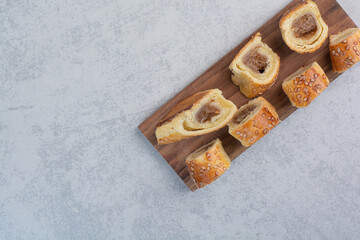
[218,76]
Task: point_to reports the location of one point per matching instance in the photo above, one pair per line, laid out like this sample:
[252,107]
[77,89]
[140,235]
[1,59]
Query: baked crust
[257,123]
[253,84]
[181,122]
[345,49]
[303,86]
[207,163]
[308,44]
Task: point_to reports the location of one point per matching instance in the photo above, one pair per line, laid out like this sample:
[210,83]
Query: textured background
[77,77]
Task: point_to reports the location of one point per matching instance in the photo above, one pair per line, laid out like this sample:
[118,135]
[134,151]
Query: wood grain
[218,76]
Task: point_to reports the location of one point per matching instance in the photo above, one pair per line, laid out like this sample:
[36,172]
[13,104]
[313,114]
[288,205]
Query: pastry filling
[207,112]
[305,26]
[241,115]
[255,61]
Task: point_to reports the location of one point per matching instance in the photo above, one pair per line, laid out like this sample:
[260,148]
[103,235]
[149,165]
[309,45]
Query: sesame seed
[265,131]
[224,168]
[208,154]
[355,43]
[237,132]
[315,76]
[272,118]
[270,126]
[209,164]
[298,96]
[208,169]
[333,52]
[266,109]
[268,118]
[348,66]
[273,123]
[310,84]
[295,82]
[347,47]
[244,135]
[323,76]
[215,167]
[191,173]
[252,139]
[256,132]
[312,80]
[263,114]
[345,41]
[306,84]
[349,58]
[357,53]
[338,50]
[305,99]
[318,91]
[192,169]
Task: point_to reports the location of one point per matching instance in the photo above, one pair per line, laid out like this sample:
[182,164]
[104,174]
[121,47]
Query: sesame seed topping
[310,84]
[356,43]
[237,132]
[338,50]
[244,135]
[333,52]
[318,91]
[252,139]
[192,169]
[268,118]
[349,58]
[323,76]
[347,47]
[265,131]
[357,53]
[208,154]
[273,123]
[270,126]
[305,99]
[256,132]
[312,80]
[263,114]
[306,83]
[191,173]
[295,82]
[354,48]
[272,118]
[266,109]
[345,41]
[298,96]
[316,76]
[209,164]
[224,168]
[348,66]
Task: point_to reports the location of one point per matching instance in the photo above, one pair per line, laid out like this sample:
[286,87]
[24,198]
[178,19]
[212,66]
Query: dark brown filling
[241,115]
[255,61]
[208,111]
[304,26]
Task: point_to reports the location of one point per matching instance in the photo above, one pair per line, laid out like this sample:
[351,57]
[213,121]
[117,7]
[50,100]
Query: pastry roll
[207,163]
[252,121]
[255,68]
[305,85]
[303,28]
[345,49]
[201,113]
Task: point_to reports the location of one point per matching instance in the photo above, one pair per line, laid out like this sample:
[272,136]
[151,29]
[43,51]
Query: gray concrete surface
[77,77]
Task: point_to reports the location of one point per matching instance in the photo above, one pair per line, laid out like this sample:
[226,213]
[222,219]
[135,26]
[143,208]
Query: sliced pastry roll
[303,28]
[201,113]
[255,68]
[345,49]
[303,86]
[207,163]
[252,121]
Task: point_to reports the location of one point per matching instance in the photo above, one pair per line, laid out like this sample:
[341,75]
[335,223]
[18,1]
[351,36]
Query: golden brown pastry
[201,113]
[207,163]
[252,121]
[303,28]
[345,49]
[255,68]
[303,86]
